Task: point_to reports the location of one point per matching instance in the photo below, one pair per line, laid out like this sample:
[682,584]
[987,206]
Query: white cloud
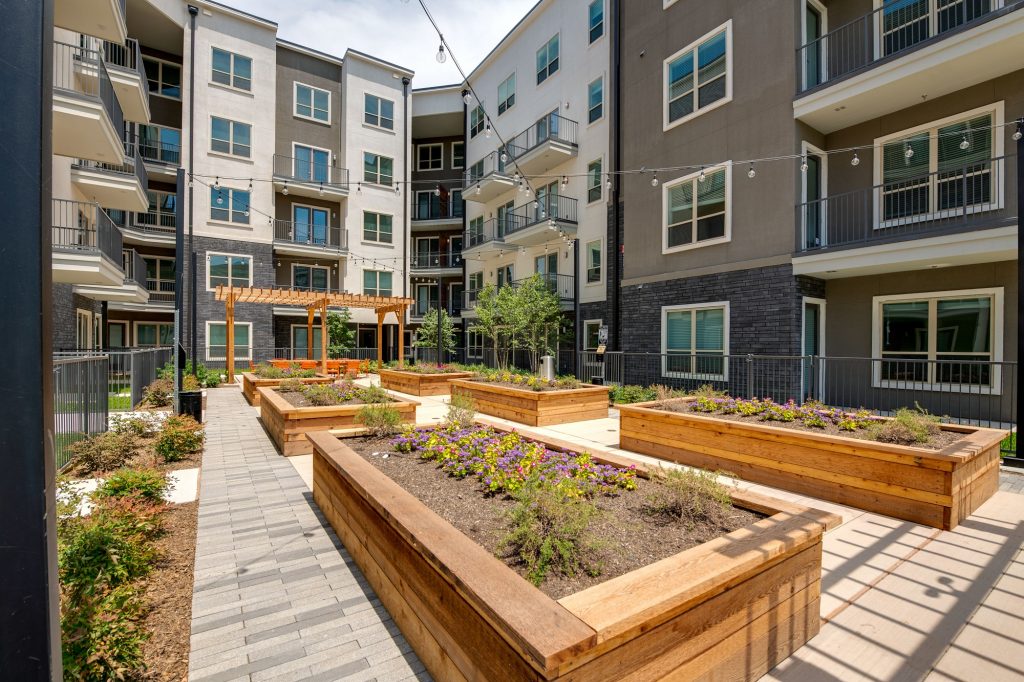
[395,30]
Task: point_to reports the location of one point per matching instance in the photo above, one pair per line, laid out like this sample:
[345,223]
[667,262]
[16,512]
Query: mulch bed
[630,539]
[168,591]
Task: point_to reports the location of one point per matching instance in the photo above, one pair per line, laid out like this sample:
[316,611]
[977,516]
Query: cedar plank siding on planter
[733,607]
[936,488]
[288,425]
[252,383]
[414,383]
[536,408]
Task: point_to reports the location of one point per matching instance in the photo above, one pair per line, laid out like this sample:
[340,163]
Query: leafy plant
[158,393]
[340,333]
[461,411]
[426,335]
[103,451]
[190,383]
[907,427]
[146,484]
[627,394]
[265,370]
[290,386]
[101,636]
[208,378]
[693,496]
[181,436]
[141,424]
[372,395]
[379,419]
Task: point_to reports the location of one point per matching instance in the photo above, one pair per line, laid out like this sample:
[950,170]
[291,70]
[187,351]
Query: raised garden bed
[252,383]
[420,383]
[732,607]
[934,487]
[288,424]
[535,408]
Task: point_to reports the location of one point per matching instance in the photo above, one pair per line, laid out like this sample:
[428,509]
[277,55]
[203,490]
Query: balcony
[426,217]
[146,227]
[541,221]
[101,18]
[486,179]
[469,298]
[435,262]
[957,216]
[114,185]
[308,239]
[160,148]
[124,66]
[887,60]
[306,177]
[548,143]
[484,240]
[86,245]
[87,118]
[133,288]
[562,286]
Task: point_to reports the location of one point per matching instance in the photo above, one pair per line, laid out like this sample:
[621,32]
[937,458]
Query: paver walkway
[276,595]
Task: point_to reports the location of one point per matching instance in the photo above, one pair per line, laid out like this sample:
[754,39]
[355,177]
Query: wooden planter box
[732,608]
[536,408]
[252,383]
[288,425]
[413,383]
[936,488]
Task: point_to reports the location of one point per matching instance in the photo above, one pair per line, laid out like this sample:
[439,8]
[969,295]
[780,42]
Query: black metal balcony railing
[437,211]
[160,291]
[84,226]
[436,260]
[956,199]
[892,29]
[310,171]
[486,232]
[560,285]
[469,298]
[81,72]
[134,267]
[552,209]
[309,234]
[127,56]
[552,127]
[158,151]
[485,167]
[133,165]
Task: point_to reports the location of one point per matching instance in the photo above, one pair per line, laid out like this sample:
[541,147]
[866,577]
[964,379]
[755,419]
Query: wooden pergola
[313,301]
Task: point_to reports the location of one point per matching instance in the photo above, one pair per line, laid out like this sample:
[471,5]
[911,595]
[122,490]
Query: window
[474,344]
[310,224]
[547,60]
[814,17]
[229,205]
[595,100]
[691,223]
[310,277]
[591,331]
[377,227]
[217,340]
[231,137]
[376,283]
[163,77]
[84,338]
[227,270]
[231,69]
[594,181]
[698,77]
[506,94]
[300,342]
[311,164]
[595,19]
[458,154]
[505,275]
[476,121]
[430,157]
[476,171]
[159,274]
[161,211]
[161,144]
[154,333]
[475,233]
[379,112]
[312,103]
[377,169]
[930,172]
[695,341]
[942,338]
[475,281]
[594,261]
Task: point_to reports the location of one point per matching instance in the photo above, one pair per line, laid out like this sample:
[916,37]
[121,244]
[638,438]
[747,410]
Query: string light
[609,183]
[908,151]
[565,181]
[285,190]
[216,183]
[467,96]
[441,56]
[321,189]
[803,165]
[487,129]
[654,180]
[855,161]
[964,144]
[751,173]
[1019,133]
[701,178]
[437,191]
[504,156]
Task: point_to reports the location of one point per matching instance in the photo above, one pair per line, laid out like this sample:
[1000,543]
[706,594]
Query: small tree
[426,335]
[489,321]
[341,337]
[536,315]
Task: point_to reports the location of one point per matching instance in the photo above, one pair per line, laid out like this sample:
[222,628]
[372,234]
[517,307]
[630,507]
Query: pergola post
[323,337]
[309,332]
[229,306]
[380,339]
[401,338]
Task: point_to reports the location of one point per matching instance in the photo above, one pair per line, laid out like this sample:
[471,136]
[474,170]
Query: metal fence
[80,402]
[128,372]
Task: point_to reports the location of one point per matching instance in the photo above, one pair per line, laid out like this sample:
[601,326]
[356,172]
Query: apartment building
[537,161]
[893,232]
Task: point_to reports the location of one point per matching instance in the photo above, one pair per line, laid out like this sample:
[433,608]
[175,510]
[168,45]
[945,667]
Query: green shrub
[158,393]
[906,427]
[290,386]
[208,378]
[182,435]
[625,395]
[692,496]
[461,411]
[708,391]
[103,451]
[549,531]
[138,424]
[190,383]
[322,394]
[373,395]
[101,636]
[146,484]
[380,419]
[265,370]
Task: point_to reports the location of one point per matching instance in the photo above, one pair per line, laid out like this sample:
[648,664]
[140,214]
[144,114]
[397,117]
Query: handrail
[84,226]
[81,71]
[323,236]
[308,171]
[436,259]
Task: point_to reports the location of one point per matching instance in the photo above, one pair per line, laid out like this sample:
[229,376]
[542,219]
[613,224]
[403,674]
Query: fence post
[750,376]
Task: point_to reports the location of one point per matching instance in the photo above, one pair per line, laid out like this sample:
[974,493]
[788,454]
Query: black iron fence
[80,402]
[552,208]
[551,127]
[310,233]
[433,260]
[491,164]
[318,168]
[128,372]
[133,166]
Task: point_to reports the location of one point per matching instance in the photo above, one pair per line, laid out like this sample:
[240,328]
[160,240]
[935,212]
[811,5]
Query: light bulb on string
[285,190]
[216,183]
[855,161]
[964,144]
[441,56]
[1019,133]
[803,165]
[908,151]
[467,96]
[751,173]
[220,198]
[515,177]
[487,129]
[701,178]
[437,191]
[321,191]
[479,189]
[654,180]
[398,190]
[609,183]
[565,181]
[504,157]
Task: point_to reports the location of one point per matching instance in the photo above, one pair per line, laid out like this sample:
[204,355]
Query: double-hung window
[595,19]
[476,231]
[379,112]
[377,227]
[547,60]
[312,103]
[458,154]
[228,270]
[695,341]
[595,100]
[230,137]
[506,94]
[229,205]
[217,340]
[696,209]
[698,77]
[476,121]
[231,69]
[311,164]
[164,78]
[162,210]
[154,333]
[475,281]
[159,274]
[310,277]
[430,157]
[376,283]
[594,181]
[594,261]
[474,344]
[377,169]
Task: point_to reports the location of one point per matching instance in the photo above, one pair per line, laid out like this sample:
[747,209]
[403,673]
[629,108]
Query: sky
[395,30]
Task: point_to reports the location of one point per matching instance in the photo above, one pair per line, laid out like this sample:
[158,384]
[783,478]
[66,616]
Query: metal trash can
[547,368]
[191,403]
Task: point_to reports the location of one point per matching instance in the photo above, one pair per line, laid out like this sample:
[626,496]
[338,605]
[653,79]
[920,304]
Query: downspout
[193,336]
[406,175]
[465,224]
[614,288]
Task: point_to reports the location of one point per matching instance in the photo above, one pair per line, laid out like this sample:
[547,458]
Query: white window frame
[693,307]
[725,238]
[231,282]
[379,156]
[377,288]
[586,263]
[157,324]
[429,145]
[474,350]
[587,323]
[380,116]
[291,341]
[822,307]
[996,109]
[231,73]
[604,23]
[231,138]
[85,317]
[362,227]
[312,107]
[808,149]
[473,275]
[599,105]
[697,111]
[473,132]
[997,295]
[311,266]
[504,102]
[600,181]
[248,355]
[454,165]
[229,196]
[313,147]
[823,12]
[160,81]
[158,280]
[547,67]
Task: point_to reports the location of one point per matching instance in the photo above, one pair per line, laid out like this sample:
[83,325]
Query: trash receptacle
[547,368]
[191,403]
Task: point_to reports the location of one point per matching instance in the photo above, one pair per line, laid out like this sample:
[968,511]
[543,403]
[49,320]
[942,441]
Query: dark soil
[168,591]
[542,388]
[939,441]
[630,539]
[296,399]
